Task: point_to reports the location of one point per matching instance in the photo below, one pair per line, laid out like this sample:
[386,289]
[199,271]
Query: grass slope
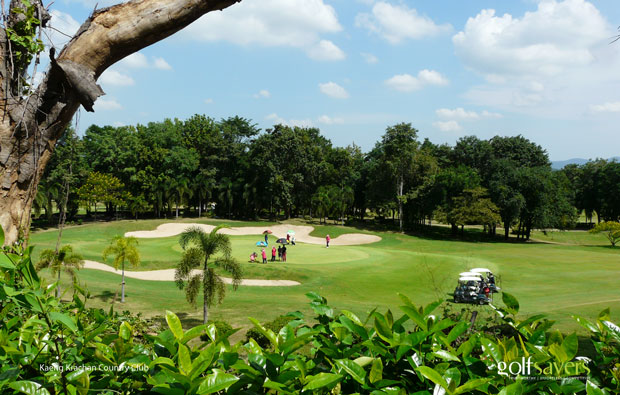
[577,277]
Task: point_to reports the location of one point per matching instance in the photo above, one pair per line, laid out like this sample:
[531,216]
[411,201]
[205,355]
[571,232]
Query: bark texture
[31,125]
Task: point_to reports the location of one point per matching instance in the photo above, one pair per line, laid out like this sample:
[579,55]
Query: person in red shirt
[327,239]
[264,256]
[273,254]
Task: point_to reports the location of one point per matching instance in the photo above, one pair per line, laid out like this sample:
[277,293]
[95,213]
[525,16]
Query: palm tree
[199,247]
[123,249]
[64,258]
[203,185]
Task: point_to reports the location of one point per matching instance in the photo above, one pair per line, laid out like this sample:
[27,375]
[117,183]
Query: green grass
[577,277]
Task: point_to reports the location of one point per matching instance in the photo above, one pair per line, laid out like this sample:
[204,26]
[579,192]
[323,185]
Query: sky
[546,69]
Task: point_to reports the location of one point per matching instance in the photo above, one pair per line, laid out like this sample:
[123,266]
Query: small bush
[221,326]
[275,325]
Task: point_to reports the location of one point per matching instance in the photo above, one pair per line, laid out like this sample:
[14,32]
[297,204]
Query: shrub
[221,326]
[276,325]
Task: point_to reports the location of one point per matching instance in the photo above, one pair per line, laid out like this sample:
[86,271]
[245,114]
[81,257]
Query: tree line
[232,169]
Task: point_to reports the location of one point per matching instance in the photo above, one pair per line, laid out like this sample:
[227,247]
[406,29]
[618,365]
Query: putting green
[579,278]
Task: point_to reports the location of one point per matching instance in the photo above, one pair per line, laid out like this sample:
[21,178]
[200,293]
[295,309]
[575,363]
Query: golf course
[557,273]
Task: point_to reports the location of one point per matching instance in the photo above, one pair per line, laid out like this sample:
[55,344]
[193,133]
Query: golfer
[327,239]
[266,238]
[264,254]
[283,253]
[273,254]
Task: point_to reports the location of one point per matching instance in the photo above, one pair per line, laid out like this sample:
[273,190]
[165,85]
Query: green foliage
[611,229]
[23,34]
[102,188]
[276,325]
[417,351]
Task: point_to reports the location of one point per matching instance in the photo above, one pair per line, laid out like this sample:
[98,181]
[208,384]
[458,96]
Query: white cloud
[263,93]
[136,60]
[107,105]
[288,23]
[325,50]
[557,36]
[404,83]
[334,90]
[396,23]
[409,83]
[327,120]
[370,58]
[606,107]
[277,120]
[461,114]
[113,77]
[208,101]
[161,64]
[447,126]
[551,62]
[64,27]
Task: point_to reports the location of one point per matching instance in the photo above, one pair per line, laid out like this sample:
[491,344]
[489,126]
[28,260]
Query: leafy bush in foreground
[51,347]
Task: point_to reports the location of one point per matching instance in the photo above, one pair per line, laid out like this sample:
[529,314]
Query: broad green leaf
[570,346]
[466,348]
[322,380]
[446,356]
[1,237]
[558,352]
[5,262]
[354,370]
[352,317]
[593,389]
[29,387]
[511,302]
[162,361]
[363,361]
[470,385]
[512,389]
[185,359]
[383,330]
[64,319]
[376,371]
[193,333]
[586,324]
[491,349]
[268,333]
[613,329]
[415,316]
[432,375]
[457,331]
[174,324]
[125,331]
[215,382]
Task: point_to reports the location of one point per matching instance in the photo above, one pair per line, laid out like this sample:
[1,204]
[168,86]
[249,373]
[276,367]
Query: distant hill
[575,161]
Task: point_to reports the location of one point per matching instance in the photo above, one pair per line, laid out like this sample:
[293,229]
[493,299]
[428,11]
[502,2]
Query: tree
[611,230]
[123,249]
[398,147]
[33,122]
[103,188]
[64,258]
[198,248]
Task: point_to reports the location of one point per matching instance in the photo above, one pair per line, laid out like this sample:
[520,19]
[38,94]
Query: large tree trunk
[31,125]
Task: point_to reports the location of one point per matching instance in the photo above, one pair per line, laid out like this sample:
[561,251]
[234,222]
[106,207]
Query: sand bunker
[168,275]
[302,233]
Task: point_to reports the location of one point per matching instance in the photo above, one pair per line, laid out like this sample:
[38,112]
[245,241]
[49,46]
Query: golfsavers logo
[545,370]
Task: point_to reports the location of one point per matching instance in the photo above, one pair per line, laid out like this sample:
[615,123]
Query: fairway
[558,279]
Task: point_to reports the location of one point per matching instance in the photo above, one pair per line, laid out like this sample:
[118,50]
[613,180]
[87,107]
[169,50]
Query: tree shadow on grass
[106,296]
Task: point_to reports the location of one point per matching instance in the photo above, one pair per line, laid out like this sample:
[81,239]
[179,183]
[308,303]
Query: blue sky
[543,69]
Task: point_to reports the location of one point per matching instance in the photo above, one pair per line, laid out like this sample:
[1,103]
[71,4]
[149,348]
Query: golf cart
[487,277]
[471,290]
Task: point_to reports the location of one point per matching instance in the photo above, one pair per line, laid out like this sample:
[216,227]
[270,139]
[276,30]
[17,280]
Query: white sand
[302,233]
[168,275]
